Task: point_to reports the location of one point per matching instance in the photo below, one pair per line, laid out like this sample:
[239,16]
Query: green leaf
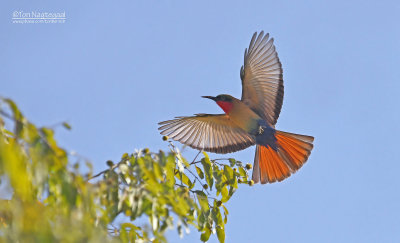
[206,234]
[202,220]
[125,156]
[226,213]
[17,116]
[229,174]
[242,172]
[131,228]
[185,179]
[185,162]
[203,200]
[199,172]
[169,170]
[232,162]
[207,170]
[14,108]
[219,181]
[216,215]
[235,183]
[66,125]
[157,171]
[225,194]
[231,191]
[220,234]
[219,224]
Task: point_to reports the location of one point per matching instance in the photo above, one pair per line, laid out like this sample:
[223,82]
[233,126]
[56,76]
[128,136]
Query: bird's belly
[266,137]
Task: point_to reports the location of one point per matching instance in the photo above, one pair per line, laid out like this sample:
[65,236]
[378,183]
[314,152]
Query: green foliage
[53,200]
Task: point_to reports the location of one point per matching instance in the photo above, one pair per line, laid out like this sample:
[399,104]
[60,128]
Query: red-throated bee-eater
[249,121]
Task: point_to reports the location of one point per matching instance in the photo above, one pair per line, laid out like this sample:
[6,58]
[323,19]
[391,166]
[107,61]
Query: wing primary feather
[253,38]
[189,134]
[172,130]
[208,137]
[179,134]
[264,59]
[260,49]
[253,48]
[258,45]
[220,138]
[196,135]
[211,139]
[199,141]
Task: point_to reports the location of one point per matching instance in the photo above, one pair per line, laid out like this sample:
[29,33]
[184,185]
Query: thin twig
[195,192]
[7,115]
[195,157]
[213,161]
[196,178]
[104,171]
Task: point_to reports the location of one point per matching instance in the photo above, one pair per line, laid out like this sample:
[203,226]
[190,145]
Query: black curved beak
[209,97]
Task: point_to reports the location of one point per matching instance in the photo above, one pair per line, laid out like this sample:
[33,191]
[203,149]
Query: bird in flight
[250,120]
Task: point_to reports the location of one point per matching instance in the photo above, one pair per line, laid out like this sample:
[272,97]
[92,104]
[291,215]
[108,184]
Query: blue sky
[115,69]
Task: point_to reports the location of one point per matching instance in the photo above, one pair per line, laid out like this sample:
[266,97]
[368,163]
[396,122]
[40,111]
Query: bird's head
[223,100]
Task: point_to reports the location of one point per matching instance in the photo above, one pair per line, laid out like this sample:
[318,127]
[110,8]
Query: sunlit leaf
[185,179]
[225,194]
[207,170]
[242,172]
[199,172]
[229,174]
[169,170]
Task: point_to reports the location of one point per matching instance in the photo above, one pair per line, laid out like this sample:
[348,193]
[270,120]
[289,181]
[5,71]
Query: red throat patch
[225,105]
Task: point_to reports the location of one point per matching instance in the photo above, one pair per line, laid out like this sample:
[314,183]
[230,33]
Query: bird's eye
[222,98]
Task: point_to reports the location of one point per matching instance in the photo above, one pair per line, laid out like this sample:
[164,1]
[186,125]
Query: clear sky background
[117,68]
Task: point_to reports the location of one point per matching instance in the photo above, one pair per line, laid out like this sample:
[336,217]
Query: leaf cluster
[53,190]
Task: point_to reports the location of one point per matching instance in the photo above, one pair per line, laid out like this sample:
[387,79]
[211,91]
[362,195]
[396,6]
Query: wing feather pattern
[262,78]
[212,133]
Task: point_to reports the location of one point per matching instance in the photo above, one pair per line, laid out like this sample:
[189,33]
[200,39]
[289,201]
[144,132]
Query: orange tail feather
[293,151]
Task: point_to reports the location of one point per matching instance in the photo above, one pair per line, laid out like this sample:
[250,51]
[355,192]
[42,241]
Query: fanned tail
[293,151]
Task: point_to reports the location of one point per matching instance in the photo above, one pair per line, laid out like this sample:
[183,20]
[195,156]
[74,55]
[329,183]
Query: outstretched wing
[262,78]
[212,133]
